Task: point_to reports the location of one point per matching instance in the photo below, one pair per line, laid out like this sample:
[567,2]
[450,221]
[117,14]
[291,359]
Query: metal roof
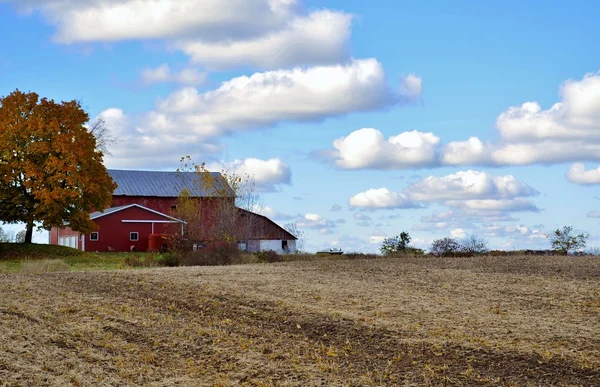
[97,214]
[169,184]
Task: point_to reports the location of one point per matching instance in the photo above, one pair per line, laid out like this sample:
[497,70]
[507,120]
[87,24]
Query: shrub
[133,260]
[169,260]
[216,254]
[269,256]
[444,247]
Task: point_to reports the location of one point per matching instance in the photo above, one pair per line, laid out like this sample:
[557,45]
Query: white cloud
[265,99]
[164,74]
[317,222]
[381,198]
[110,20]
[470,152]
[268,175]
[505,205]
[411,87]
[465,185]
[189,122]
[367,148]
[458,233]
[319,38]
[518,231]
[579,175]
[152,145]
[361,216]
[274,214]
[593,214]
[566,132]
[263,34]
[376,239]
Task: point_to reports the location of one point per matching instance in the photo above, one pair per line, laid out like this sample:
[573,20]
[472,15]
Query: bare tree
[473,244]
[104,136]
[292,228]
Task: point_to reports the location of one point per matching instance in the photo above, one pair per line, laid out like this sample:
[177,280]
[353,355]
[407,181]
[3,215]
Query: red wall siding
[114,234]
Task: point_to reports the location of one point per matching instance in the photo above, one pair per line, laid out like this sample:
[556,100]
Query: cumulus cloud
[190,122]
[336,208]
[151,143]
[381,198]
[109,20]
[578,174]
[268,175]
[164,74]
[411,87]
[458,233]
[317,222]
[213,33]
[265,99]
[567,131]
[368,148]
[319,38]
[469,184]
[593,214]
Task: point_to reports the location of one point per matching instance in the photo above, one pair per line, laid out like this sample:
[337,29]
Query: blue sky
[354,118]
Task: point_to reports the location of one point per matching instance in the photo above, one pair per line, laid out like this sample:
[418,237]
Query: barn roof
[169,184]
[112,210]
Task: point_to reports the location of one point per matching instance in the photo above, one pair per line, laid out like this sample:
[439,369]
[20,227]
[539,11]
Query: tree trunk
[29,232]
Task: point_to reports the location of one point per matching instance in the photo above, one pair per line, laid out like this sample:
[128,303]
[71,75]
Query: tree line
[563,241]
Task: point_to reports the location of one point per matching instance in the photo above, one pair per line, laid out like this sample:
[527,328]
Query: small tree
[397,244]
[563,241]
[444,247]
[473,244]
[4,237]
[20,237]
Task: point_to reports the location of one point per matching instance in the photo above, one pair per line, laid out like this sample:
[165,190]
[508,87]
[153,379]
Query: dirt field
[492,321]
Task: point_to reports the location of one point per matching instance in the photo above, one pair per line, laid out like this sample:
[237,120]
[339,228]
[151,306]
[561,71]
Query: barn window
[94,236]
[173,206]
[134,236]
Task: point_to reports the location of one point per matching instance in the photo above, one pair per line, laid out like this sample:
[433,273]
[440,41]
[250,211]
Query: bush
[169,260]
[444,247]
[217,254]
[133,260]
[269,256]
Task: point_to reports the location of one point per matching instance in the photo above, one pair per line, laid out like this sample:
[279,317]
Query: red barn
[144,202]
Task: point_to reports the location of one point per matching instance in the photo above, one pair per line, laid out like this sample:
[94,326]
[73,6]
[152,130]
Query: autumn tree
[232,198]
[51,172]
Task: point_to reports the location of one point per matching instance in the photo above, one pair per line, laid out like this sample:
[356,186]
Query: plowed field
[490,321]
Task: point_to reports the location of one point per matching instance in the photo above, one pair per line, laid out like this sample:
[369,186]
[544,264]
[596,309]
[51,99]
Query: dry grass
[414,321]
[44,266]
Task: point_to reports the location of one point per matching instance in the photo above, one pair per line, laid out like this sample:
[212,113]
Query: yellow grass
[406,321]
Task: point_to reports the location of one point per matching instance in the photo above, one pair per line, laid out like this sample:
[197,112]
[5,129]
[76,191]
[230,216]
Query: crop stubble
[485,321]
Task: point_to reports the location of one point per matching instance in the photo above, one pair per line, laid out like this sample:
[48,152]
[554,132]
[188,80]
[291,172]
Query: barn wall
[65,236]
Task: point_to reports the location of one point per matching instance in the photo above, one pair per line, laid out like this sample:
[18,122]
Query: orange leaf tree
[50,170]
